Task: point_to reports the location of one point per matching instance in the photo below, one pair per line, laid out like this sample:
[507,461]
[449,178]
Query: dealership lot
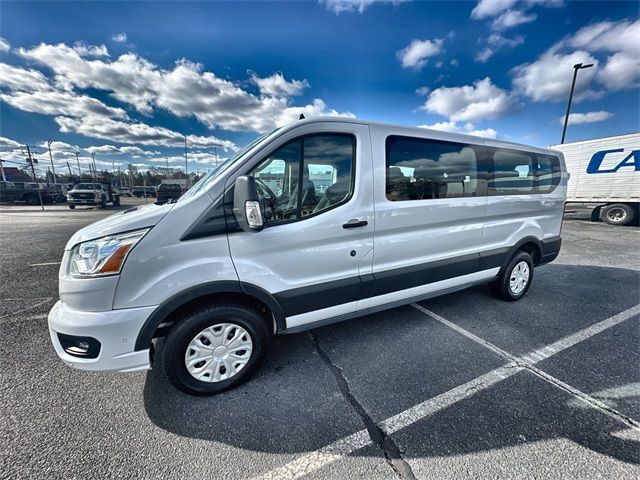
[458,386]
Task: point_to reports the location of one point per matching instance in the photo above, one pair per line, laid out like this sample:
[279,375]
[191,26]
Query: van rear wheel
[215,348]
[515,280]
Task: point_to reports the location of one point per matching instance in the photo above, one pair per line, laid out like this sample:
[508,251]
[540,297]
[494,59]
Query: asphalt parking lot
[458,386]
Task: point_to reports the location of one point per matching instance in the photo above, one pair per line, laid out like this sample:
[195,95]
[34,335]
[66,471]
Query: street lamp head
[580,66]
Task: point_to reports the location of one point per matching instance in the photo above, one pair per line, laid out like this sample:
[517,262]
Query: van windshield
[215,173]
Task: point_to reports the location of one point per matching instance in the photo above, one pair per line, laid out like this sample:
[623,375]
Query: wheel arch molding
[235,289]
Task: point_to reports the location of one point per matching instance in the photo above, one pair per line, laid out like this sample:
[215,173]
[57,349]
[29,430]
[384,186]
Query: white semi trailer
[605,174]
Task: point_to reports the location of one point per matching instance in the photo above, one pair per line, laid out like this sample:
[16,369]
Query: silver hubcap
[617,215]
[218,352]
[519,277]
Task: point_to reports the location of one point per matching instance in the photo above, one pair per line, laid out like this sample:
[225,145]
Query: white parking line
[44,264]
[38,304]
[528,361]
[333,452]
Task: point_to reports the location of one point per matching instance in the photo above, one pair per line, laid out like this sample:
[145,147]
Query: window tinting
[419,169]
[305,177]
[513,173]
[548,173]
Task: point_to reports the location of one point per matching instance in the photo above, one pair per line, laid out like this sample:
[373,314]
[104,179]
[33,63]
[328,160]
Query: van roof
[423,132]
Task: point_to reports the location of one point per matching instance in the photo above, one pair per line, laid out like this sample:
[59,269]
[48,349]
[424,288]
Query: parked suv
[255,249]
[169,191]
[99,194]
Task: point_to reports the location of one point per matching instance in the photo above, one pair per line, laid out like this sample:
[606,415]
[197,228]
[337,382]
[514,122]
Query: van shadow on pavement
[293,403]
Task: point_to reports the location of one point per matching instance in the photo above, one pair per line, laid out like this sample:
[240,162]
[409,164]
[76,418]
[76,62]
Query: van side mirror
[246,204]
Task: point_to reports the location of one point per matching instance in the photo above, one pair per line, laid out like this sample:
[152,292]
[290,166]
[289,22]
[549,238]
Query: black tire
[102,203]
[72,207]
[116,201]
[501,286]
[178,339]
[32,199]
[617,214]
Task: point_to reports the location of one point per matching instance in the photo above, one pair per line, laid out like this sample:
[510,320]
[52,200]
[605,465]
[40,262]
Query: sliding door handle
[355,223]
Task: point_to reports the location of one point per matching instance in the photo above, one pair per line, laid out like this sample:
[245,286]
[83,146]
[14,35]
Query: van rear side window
[513,173]
[422,169]
[521,173]
[548,173]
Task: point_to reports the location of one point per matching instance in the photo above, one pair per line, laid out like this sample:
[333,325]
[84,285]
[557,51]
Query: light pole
[78,162]
[33,171]
[576,67]
[55,180]
[95,173]
[186,162]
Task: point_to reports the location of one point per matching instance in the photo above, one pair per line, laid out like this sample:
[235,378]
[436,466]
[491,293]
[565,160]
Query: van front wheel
[215,348]
[515,280]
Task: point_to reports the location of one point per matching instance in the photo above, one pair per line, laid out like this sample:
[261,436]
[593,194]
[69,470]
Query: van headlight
[103,256]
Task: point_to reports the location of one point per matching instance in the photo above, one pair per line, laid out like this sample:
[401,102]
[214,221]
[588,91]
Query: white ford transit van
[319,221]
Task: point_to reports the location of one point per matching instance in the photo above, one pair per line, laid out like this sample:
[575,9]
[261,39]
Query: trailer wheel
[72,206]
[116,201]
[617,214]
[102,203]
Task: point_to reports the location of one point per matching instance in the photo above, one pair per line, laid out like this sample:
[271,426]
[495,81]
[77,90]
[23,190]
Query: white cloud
[114,150]
[622,71]
[8,143]
[549,77]
[119,37]
[4,45]
[340,6]
[482,100]
[185,90]
[135,133]
[491,8]
[622,39]
[16,78]
[484,54]
[467,128]
[512,18]
[60,103]
[417,53]
[85,50]
[494,8]
[589,117]
[496,42]
[277,86]
[607,36]
[57,146]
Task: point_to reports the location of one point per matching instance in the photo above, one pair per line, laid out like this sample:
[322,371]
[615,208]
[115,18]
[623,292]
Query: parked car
[169,191]
[233,262]
[144,191]
[100,194]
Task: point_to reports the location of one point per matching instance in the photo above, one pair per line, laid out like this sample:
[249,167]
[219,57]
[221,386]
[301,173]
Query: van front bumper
[101,341]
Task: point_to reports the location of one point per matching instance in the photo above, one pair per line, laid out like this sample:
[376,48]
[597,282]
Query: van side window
[548,173]
[306,176]
[422,169]
[522,173]
[512,173]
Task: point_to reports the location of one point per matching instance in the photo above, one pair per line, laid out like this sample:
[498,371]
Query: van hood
[134,218]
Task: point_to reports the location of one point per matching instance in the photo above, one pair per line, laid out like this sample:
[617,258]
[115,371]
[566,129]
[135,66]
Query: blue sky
[126,80]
